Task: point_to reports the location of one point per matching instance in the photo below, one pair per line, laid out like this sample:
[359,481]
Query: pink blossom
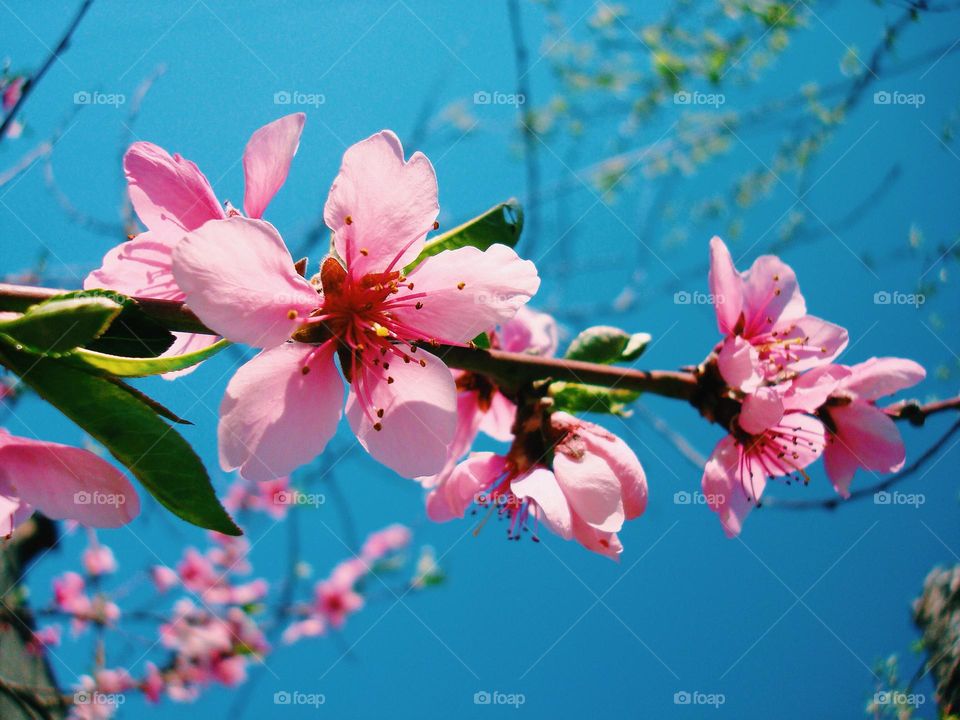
[164,578]
[99,560]
[763,316]
[861,435]
[335,598]
[594,485]
[313,626]
[171,196]
[61,482]
[70,594]
[11,93]
[258,496]
[114,681]
[481,407]
[153,683]
[384,542]
[47,636]
[772,435]
[282,407]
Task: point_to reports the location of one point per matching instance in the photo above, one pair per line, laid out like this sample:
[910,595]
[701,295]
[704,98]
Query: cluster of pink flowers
[11,88]
[782,398]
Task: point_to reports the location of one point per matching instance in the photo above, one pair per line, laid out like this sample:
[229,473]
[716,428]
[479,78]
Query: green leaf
[142,367]
[133,333]
[500,224]
[580,398]
[57,326]
[603,344]
[482,341]
[127,424]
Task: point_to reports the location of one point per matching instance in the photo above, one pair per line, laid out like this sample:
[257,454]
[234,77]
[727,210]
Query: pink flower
[335,598]
[153,683]
[99,560]
[48,636]
[164,578]
[594,485]
[861,435]
[313,626]
[772,435]
[114,682]
[259,496]
[171,196]
[384,542]
[282,407]
[11,93]
[481,407]
[763,316]
[61,482]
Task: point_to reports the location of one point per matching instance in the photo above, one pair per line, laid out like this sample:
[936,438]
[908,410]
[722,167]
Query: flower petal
[602,543]
[497,421]
[725,287]
[239,278]
[879,377]
[870,435]
[540,485]
[419,416]
[274,417]
[466,291]
[760,411]
[66,482]
[723,486]
[529,331]
[591,488]
[459,491]
[624,464]
[739,364]
[469,418]
[770,295]
[266,161]
[841,465]
[822,342]
[381,204]
[140,267]
[167,189]
[184,343]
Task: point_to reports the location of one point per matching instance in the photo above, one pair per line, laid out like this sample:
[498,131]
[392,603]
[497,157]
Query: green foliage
[142,367]
[58,326]
[500,224]
[603,344]
[132,333]
[580,398]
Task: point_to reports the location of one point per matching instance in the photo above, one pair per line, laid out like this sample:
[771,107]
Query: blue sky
[793,614]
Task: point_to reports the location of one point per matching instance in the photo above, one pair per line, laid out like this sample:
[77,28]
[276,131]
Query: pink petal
[66,482]
[266,161]
[796,442]
[739,364]
[840,465]
[469,418]
[274,418]
[822,342]
[725,286]
[591,488]
[870,435]
[467,292]
[13,510]
[497,421]
[183,344]
[723,486]
[140,267]
[760,411]
[622,461]
[812,389]
[459,491]
[391,205]
[238,277]
[529,331]
[419,414]
[879,377]
[770,295]
[540,486]
[167,189]
[602,543]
